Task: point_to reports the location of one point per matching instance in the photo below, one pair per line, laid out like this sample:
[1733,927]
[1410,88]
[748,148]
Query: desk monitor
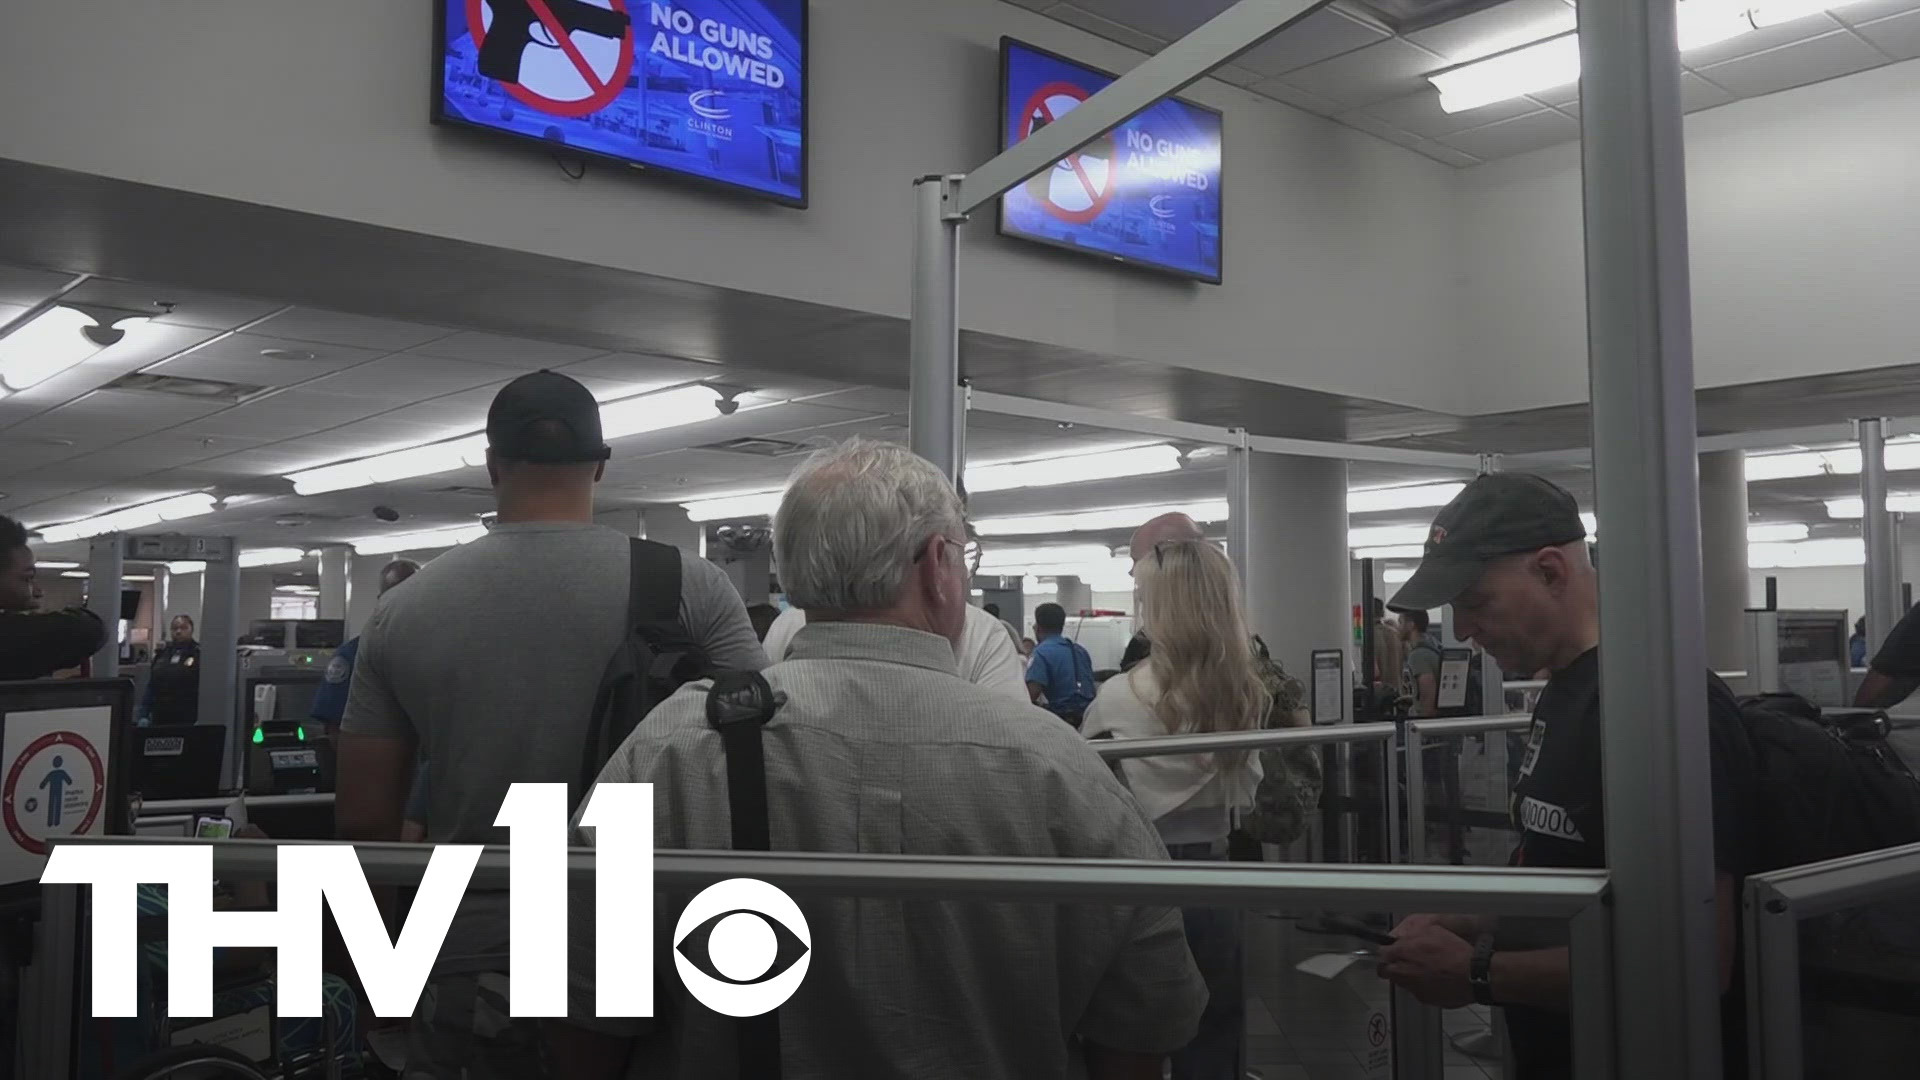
[319,633]
[178,761]
[62,770]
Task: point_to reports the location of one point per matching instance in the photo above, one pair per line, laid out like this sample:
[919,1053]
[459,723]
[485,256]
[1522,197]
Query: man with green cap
[1509,554]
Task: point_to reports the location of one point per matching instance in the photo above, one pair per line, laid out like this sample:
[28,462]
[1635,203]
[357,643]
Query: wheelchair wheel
[193,1062]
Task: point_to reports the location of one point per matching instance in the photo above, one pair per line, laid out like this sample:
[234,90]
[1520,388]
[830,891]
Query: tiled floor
[1300,1027]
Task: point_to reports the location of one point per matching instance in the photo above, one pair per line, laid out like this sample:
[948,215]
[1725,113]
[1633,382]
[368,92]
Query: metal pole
[219,661]
[1591,934]
[1876,526]
[1653,662]
[934,397]
[104,569]
[1239,506]
[1775,1049]
[1416,795]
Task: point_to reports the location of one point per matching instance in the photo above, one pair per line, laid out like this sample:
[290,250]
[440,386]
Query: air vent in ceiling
[758,447]
[201,389]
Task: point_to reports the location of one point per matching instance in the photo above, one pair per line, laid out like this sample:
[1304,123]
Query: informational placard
[1456,668]
[53,782]
[713,89]
[1329,686]
[1147,192]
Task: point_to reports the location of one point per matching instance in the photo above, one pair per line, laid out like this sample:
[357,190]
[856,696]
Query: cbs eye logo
[742,947]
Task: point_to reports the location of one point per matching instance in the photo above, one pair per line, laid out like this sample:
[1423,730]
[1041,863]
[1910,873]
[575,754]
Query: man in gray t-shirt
[488,664]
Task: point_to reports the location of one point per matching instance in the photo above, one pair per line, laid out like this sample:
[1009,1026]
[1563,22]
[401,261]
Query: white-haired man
[880,747]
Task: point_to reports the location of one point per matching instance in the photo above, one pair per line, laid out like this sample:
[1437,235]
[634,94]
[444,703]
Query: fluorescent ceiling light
[1388,536]
[747,505]
[1400,551]
[1851,508]
[1117,517]
[38,565]
[130,519]
[994,558]
[1776,533]
[1073,469]
[1398,575]
[424,540]
[277,556]
[1901,456]
[1555,61]
[186,567]
[76,574]
[1837,551]
[652,411]
[1415,497]
[53,341]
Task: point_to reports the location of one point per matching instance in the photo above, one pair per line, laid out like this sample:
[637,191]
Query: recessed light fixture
[287,354]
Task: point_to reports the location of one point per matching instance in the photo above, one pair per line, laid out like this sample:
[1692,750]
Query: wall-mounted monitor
[1147,193]
[715,90]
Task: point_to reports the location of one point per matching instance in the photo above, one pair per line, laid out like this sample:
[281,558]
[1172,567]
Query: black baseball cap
[1498,514]
[548,418]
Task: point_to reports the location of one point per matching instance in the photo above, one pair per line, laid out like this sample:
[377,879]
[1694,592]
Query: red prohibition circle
[1102,198]
[604,93]
[52,738]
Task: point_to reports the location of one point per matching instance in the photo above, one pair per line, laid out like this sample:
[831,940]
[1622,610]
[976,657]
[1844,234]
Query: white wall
[1340,256]
[1803,229]
[1814,587]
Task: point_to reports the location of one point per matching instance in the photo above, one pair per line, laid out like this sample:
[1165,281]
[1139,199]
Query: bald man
[1163,529]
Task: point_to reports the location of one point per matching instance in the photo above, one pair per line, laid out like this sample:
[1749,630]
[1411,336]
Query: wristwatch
[1480,970]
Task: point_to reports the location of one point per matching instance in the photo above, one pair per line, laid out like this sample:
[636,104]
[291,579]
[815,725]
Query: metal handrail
[1417,731]
[1166,745]
[1774,904]
[216,802]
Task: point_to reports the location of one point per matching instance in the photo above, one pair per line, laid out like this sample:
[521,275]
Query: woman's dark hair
[13,535]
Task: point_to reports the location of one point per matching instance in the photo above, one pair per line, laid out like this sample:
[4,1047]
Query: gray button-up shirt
[882,748]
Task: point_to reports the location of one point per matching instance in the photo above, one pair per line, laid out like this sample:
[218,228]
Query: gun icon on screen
[512,31]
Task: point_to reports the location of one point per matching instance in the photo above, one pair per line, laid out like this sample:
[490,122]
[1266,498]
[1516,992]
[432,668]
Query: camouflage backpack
[1291,777]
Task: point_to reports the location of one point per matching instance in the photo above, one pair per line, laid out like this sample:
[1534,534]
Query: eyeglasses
[969,550]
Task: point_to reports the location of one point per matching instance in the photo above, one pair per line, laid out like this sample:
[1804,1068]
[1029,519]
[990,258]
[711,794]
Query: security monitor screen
[1146,193]
[711,89]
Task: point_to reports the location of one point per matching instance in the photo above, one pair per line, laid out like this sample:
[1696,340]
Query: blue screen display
[714,89]
[1148,192]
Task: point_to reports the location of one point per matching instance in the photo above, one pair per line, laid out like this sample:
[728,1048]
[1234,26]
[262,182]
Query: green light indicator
[259,736]
[301,732]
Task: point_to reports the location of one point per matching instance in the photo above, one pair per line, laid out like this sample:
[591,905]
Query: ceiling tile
[1444,154]
[1155,18]
[1035,5]
[642,372]
[520,354]
[1325,34]
[109,416]
[1496,29]
[1299,99]
[1420,113]
[283,416]
[1759,41]
[1364,76]
[1898,37]
[1559,95]
[236,358]
[211,311]
[21,287]
[1865,11]
[1235,75]
[358,331]
[1378,128]
[1824,57]
[1106,28]
[1516,136]
[405,377]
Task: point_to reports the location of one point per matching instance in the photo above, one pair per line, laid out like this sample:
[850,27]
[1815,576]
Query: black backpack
[1826,788]
[655,659]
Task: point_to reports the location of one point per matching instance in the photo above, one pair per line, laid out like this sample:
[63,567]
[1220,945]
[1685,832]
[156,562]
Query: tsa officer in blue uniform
[173,683]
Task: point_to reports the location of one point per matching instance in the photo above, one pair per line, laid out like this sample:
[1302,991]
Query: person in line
[1510,554]
[173,681]
[1894,674]
[1857,644]
[1060,673]
[1012,630]
[487,664]
[35,644]
[1202,677]
[1166,528]
[882,747]
[986,656]
[1420,671]
[1389,649]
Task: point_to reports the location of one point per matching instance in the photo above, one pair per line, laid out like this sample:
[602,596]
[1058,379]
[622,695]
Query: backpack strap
[653,584]
[739,706]
[653,613]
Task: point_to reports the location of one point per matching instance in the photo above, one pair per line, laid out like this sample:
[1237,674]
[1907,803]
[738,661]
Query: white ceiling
[1343,63]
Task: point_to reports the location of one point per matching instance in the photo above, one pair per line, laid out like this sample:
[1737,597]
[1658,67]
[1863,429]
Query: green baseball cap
[1498,514]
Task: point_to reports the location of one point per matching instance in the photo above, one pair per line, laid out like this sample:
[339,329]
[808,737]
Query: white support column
[1659,815]
[1723,556]
[933,407]
[670,525]
[364,591]
[1876,526]
[220,628]
[1239,501]
[103,599]
[336,585]
[1297,575]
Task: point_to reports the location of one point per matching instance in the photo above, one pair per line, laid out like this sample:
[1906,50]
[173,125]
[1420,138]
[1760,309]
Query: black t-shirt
[1899,657]
[1559,813]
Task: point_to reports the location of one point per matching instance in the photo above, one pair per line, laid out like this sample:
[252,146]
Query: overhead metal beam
[1172,69]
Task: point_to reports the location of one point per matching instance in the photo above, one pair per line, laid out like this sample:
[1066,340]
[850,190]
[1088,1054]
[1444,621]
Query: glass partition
[1460,776]
[1833,968]
[1296,1028]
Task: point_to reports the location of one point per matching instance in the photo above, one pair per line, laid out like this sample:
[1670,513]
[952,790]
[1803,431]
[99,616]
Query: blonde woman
[1202,677]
